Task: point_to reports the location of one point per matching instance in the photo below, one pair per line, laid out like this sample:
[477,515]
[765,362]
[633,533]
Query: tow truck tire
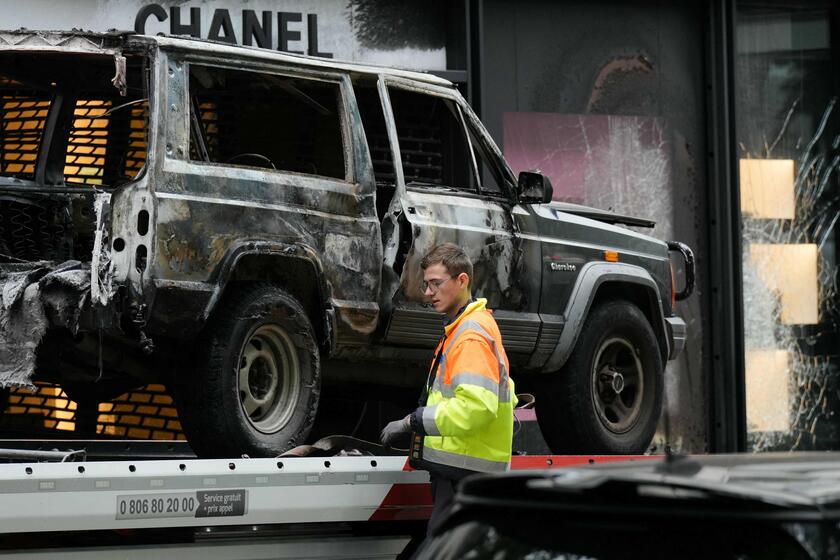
[257,378]
[607,398]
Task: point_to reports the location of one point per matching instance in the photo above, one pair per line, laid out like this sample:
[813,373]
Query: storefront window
[787,139]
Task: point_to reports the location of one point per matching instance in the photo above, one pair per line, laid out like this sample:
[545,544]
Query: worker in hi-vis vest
[464,423]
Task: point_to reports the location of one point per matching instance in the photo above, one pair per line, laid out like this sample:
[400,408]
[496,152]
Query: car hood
[601,215]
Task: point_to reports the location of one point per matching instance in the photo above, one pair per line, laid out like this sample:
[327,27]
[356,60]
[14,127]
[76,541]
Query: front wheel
[256,384]
[607,398]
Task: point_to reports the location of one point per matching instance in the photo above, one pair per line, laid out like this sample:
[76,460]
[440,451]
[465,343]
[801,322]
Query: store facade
[786,132]
[718,120]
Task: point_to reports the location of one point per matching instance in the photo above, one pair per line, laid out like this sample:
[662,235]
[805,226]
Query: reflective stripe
[463,461]
[504,391]
[470,379]
[429,425]
[473,325]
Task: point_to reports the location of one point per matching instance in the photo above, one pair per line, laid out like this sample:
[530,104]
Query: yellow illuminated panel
[62,415]
[768,396]
[22,126]
[767,188]
[86,150]
[791,272]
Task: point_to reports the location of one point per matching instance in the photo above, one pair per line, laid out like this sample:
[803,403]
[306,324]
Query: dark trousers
[443,491]
[444,481]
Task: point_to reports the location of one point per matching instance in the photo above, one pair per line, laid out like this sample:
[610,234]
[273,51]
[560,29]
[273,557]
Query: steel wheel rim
[268,378]
[617,385]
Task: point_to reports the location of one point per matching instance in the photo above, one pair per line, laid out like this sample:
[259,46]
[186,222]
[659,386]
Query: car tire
[607,398]
[257,377]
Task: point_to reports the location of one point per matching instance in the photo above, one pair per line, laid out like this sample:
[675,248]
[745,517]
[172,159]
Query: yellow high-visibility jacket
[468,418]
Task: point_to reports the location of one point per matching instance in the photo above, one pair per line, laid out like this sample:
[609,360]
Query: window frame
[463,116]
[339,79]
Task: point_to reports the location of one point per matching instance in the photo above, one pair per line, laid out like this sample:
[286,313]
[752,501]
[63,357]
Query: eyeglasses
[433,285]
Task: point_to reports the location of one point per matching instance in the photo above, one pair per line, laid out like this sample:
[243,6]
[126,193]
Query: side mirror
[534,188]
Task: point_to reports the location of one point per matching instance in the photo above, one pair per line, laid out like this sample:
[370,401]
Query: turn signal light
[611,256]
[673,284]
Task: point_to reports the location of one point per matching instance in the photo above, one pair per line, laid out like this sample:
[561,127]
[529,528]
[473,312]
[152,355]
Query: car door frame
[347,210]
[414,325]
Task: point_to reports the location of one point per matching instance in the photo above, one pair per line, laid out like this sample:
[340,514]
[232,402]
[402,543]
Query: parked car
[237,223]
[769,506]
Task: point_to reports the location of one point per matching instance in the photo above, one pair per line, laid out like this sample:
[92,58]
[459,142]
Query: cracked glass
[787,142]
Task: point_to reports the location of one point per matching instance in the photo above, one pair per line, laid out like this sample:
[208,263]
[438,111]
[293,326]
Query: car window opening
[433,145]
[379,146]
[101,135]
[249,119]
[65,132]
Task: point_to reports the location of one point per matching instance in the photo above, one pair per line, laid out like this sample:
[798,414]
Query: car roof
[109,43]
[788,481]
[254,53]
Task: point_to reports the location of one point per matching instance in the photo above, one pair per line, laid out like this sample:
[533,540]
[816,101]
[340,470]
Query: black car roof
[780,481]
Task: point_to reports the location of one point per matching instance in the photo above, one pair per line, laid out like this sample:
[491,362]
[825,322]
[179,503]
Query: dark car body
[777,505]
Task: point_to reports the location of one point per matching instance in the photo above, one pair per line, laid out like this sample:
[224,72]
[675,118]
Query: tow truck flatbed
[241,496]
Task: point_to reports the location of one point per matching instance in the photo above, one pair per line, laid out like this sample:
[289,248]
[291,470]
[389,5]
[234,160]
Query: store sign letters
[257,28]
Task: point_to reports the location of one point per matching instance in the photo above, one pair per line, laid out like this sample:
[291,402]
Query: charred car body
[231,221]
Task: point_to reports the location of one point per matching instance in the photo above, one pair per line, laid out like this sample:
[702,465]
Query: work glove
[392,432]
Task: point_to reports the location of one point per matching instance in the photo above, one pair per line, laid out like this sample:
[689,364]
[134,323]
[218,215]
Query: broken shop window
[620,163]
[250,119]
[788,134]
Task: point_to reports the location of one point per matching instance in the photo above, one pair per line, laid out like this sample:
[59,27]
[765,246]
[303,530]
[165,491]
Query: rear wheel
[608,396]
[256,383]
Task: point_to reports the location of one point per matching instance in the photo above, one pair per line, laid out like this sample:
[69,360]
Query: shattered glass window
[267,121]
[787,132]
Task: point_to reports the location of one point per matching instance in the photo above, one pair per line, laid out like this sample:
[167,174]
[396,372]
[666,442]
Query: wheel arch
[294,267]
[603,281]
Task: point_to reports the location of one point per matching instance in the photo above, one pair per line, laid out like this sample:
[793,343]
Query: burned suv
[236,222]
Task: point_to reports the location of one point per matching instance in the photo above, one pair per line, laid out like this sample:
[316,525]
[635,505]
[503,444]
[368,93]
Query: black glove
[392,432]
